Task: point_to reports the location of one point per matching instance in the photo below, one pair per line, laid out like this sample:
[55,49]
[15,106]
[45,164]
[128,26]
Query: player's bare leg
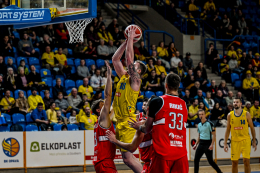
[131,161]
[234,166]
[247,167]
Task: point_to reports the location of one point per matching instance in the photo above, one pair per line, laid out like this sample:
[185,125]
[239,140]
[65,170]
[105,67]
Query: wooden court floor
[255,168]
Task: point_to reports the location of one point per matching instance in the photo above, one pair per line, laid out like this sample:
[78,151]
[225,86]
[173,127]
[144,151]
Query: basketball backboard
[67,10]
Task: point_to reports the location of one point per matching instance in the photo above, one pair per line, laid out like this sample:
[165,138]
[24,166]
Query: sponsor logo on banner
[35,147]
[11,147]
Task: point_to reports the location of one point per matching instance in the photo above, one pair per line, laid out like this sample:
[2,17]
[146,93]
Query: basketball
[138,31]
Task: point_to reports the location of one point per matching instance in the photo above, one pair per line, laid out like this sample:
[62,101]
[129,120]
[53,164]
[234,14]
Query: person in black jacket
[22,81]
[10,79]
[58,88]
[2,86]
[219,99]
[6,47]
[3,69]
[35,79]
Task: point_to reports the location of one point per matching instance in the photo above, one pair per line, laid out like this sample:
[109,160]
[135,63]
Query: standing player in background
[237,122]
[167,116]
[141,140]
[125,99]
[104,151]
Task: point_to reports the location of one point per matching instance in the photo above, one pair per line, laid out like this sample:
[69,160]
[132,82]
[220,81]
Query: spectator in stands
[138,55]
[229,98]
[239,54]
[194,9]
[210,102]
[174,62]
[152,82]
[10,64]
[87,120]
[171,51]
[26,48]
[239,95]
[210,6]
[92,53]
[22,104]
[143,50]
[22,64]
[92,70]
[215,21]
[225,22]
[47,100]
[150,65]
[61,103]
[191,24]
[201,98]
[40,117]
[203,107]
[203,81]
[86,89]
[255,113]
[213,58]
[59,88]
[162,51]
[188,81]
[154,56]
[251,87]
[80,50]
[248,107]
[48,58]
[10,79]
[74,99]
[223,87]
[118,36]
[94,23]
[111,48]
[73,118]
[100,21]
[3,68]
[213,89]
[203,71]
[188,62]
[7,47]
[7,103]
[111,27]
[32,36]
[35,80]
[47,41]
[61,62]
[244,61]
[216,114]
[92,36]
[104,34]
[22,81]
[51,33]
[187,98]
[153,48]
[229,33]
[97,96]
[52,114]
[180,70]
[248,68]
[244,30]
[194,89]
[231,52]
[34,99]
[256,62]
[162,82]
[233,64]
[104,78]
[219,99]
[96,81]
[102,50]
[63,35]
[82,70]
[159,68]
[225,71]
[2,86]
[193,113]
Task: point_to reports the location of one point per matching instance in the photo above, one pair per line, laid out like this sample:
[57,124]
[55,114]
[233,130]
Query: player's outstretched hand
[108,68]
[111,136]
[225,147]
[254,145]
[132,32]
[134,124]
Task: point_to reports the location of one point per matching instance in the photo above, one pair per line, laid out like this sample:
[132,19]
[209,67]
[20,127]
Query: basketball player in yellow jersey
[238,121]
[126,95]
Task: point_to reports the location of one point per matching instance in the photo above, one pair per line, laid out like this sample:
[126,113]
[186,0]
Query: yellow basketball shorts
[124,133]
[238,147]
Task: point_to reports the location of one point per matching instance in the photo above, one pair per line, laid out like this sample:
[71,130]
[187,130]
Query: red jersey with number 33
[103,148]
[169,129]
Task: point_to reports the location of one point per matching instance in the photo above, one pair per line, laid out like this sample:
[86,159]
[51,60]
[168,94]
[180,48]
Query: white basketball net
[76,29]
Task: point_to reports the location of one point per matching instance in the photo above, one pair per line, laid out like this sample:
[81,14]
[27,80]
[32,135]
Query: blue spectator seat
[70,62]
[204,94]
[208,84]
[144,62]
[15,52]
[31,128]
[100,63]
[61,77]
[114,73]
[72,127]
[55,50]
[37,50]
[90,62]
[77,62]
[68,91]
[78,83]
[47,81]
[68,115]
[29,92]
[7,118]
[42,94]
[57,127]
[103,94]
[181,4]
[142,93]
[16,34]
[21,58]
[7,57]
[159,93]
[54,82]
[149,94]
[219,67]
[38,68]
[45,73]
[11,94]
[220,56]
[183,93]
[110,61]
[4,128]
[234,77]
[181,86]
[70,51]
[238,84]
[19,119]
[73,70]
[222,10]
[69,84]
[28,118]
[16,93]
[34,61]
[245,11]
[139,106]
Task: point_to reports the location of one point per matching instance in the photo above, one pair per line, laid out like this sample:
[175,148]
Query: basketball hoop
[76,29]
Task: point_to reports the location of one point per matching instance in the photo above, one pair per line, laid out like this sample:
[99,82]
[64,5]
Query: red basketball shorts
[106,166]
[145,167]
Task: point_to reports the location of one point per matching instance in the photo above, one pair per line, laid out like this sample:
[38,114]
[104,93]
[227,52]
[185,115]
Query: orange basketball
[138,31]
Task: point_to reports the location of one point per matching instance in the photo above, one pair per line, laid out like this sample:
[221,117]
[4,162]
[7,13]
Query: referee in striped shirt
[206,139]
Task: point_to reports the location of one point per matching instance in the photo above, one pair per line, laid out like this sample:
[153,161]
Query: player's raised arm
[116,60]
[129,55]
[104,114]
[227,133]
[251,125]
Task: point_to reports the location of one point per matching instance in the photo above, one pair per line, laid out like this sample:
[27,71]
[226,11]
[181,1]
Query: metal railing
[155,31]
[135,2]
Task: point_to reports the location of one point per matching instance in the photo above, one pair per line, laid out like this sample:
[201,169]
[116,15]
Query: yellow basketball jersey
[239,126]
[125,100]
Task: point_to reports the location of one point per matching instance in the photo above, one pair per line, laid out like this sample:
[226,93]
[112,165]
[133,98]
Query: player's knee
[235,163]
[246,162]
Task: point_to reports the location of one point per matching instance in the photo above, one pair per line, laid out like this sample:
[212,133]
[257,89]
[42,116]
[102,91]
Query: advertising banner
[11,152]
[257,134]
[54,148]
[188,142]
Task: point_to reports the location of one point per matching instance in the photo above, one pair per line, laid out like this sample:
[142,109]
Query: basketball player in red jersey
[143,142]
[104,151]
[167,116]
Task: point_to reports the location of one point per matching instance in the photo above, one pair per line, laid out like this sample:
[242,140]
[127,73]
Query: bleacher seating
[57,127]
[69,84]
[72,127]
[30,128]
[139,106]
[16,93]
[19,119]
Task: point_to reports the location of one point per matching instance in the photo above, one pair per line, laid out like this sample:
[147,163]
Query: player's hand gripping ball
[138,32]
